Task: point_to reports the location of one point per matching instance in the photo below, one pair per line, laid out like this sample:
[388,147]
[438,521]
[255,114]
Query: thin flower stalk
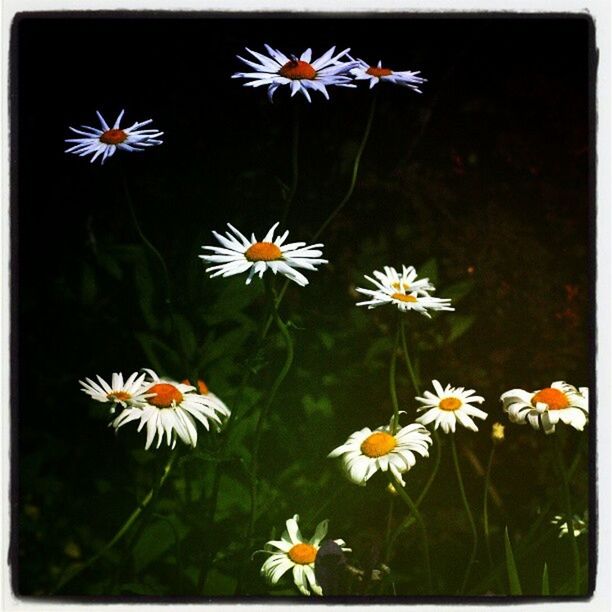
[469,515]
[295,139]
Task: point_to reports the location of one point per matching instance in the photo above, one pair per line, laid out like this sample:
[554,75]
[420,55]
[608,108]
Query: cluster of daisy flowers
[166,408]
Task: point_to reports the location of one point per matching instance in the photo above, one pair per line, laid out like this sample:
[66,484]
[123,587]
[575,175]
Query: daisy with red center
[171,410]
[210,396]
[366,451]
[294,552]
[129,393]
[299,74]
[449,406]
[546,407]
[405,291]
[105,141]
[238,254]
[376,74]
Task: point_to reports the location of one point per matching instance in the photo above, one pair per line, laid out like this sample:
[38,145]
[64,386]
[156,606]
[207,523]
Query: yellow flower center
[378,72]
[113,137]
[263,251]
[302,554]
[165,395]
[378,444]
[202,387]
[297,69]
[118,395]
[555,399]
[404,298]
[450,403]
[400,286]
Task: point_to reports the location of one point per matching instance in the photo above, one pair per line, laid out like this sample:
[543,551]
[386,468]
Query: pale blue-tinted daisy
[376,74]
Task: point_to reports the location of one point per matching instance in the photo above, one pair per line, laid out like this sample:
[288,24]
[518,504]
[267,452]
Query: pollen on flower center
[400,286]
[297,69]
[119,395]
[263,251]
[403,297]
[378,72]
[450,403]
[113,137]
[556,400]
[302,554]
[378,444]
[165,395]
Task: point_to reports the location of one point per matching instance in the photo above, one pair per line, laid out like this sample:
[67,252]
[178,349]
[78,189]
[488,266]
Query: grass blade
[545,584]
[513,577]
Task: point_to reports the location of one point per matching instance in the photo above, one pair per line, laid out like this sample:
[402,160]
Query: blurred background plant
[482,183]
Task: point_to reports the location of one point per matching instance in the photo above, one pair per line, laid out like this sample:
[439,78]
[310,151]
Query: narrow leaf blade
[513,577]
[545,584]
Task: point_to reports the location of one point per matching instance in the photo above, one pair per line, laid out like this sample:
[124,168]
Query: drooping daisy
[132,392]
[376,74]
[366,451]
[294,552]
[104,142]
[238,254]
[210,396]
[170,410]
[448,406]
[298,74]
[546,407]
[405,291]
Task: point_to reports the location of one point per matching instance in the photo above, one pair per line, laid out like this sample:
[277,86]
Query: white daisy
[406,282]
[366,451]
[450,405]
[546,407]
[170,410]
[294,552]
[104,142]
[376,74]
[299,74]
[210,396]
[238,254]
[132,392]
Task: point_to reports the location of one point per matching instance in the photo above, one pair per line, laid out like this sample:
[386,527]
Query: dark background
[488,172]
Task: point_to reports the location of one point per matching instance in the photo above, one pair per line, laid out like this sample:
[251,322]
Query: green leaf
[158,538]
[321,407]
[459,324]
[456,291]
[513,577]
[186,334]
[430,270]
[152,347]
[545,584]
[219,584]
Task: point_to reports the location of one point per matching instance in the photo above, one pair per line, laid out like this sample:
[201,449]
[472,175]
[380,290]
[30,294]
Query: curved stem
[349,193]
[392,385]
[417,515]
[411,371]
[568,510]
[295,138]
[124,528]
[469,515]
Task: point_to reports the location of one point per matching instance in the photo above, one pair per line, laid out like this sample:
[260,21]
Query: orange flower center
[378,72]
[302,554]
[166,395]
[113,137]
[403,297]
[555,399]
[263,251]
[297,69]
[119,395]
[450,403]
[378,444]
[202,387]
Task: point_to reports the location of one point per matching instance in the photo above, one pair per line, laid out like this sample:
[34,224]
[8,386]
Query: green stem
[410,368]
[485,511]
[124,528]
[570,515]
[349,193]
[469,515]
[417,515]
[392,384]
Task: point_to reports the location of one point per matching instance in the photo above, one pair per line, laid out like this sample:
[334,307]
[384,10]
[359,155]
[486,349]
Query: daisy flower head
[450,405]
[376,74]
[366,451]
[405,291]
[546,407]
[238,254]
[299,74]
[580,524]
[129,393]
[203,390]
[171,410]
[104,141]
[294,552]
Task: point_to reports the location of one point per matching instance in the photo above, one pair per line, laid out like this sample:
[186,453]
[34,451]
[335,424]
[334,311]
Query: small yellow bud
[391,489]
[497,433]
